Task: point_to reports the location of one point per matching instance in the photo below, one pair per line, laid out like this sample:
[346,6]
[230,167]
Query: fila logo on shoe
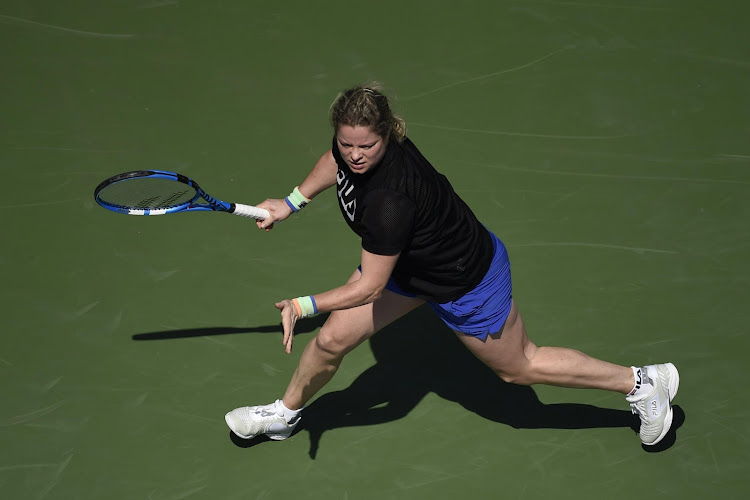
[657,408]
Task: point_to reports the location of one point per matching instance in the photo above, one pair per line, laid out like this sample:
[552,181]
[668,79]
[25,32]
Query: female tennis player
[422,244]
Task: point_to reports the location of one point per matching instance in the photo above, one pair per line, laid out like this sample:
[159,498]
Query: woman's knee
[519,367]
[518,375]
[334,343]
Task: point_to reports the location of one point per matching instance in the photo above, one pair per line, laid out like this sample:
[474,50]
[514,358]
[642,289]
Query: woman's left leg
[516,359]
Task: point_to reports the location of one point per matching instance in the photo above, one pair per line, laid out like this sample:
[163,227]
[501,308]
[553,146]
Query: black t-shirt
[404,205]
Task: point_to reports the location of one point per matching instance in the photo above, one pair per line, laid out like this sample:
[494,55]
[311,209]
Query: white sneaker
[252,421]
[655,408]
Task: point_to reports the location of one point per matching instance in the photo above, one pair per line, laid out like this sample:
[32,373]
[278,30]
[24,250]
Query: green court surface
[606,142]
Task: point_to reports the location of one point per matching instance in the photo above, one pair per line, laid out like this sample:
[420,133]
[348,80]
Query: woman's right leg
[342,332]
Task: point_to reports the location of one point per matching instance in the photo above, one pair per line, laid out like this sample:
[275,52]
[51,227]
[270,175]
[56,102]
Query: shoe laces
[639,408]
[269,410]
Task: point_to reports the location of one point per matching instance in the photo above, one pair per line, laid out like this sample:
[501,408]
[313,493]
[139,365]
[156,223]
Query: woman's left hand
[289,318]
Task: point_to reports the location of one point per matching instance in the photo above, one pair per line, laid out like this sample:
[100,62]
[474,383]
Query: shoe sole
[674,385]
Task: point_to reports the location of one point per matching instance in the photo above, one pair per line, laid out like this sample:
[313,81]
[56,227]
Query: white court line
[607,176]
[489,75]
[523,134]
[75,150]
[28,22]
[594,245]
[589,5]
[154,5]
[28,417]
[41,204]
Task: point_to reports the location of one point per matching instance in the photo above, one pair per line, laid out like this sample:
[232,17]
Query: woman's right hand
[278,210]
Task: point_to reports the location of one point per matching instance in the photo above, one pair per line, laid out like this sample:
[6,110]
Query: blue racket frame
[212,204]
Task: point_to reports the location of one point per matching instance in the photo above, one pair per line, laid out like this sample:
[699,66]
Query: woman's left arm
[376,270]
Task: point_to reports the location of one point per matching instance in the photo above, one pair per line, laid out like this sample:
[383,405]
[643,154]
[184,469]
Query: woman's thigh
[346,329]
[508,351]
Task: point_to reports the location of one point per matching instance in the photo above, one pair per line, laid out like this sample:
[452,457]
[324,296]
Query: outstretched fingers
[288,321]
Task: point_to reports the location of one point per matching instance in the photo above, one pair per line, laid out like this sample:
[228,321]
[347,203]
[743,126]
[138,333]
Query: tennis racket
[158,192]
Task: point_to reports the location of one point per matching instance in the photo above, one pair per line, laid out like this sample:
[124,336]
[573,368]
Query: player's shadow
[418,355]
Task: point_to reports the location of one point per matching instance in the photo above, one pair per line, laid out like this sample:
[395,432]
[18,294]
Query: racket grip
[250,211]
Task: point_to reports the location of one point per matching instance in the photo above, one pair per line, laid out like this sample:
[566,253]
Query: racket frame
[212,204]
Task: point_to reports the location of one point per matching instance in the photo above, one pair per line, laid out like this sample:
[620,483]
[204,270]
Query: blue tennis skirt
[484,309]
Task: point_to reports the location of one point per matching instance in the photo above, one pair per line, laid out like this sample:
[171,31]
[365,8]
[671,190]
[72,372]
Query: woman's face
[360,147]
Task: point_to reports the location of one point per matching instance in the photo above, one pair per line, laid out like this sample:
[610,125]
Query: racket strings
[147,193]
[171,200]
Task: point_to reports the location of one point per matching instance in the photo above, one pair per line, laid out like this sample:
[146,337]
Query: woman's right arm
[322,176]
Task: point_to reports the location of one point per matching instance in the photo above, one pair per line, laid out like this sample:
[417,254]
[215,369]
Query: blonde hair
[365,105]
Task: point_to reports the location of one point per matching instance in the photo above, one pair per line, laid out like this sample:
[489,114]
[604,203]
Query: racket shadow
[418,355]
[303,326]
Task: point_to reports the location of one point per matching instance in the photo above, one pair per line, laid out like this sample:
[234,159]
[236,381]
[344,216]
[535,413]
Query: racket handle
[250,211]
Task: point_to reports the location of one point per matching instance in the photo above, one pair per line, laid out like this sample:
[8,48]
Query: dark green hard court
[607,142]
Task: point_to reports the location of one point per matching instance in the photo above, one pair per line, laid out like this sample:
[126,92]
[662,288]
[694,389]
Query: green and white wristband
[305,306]
[296,200]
